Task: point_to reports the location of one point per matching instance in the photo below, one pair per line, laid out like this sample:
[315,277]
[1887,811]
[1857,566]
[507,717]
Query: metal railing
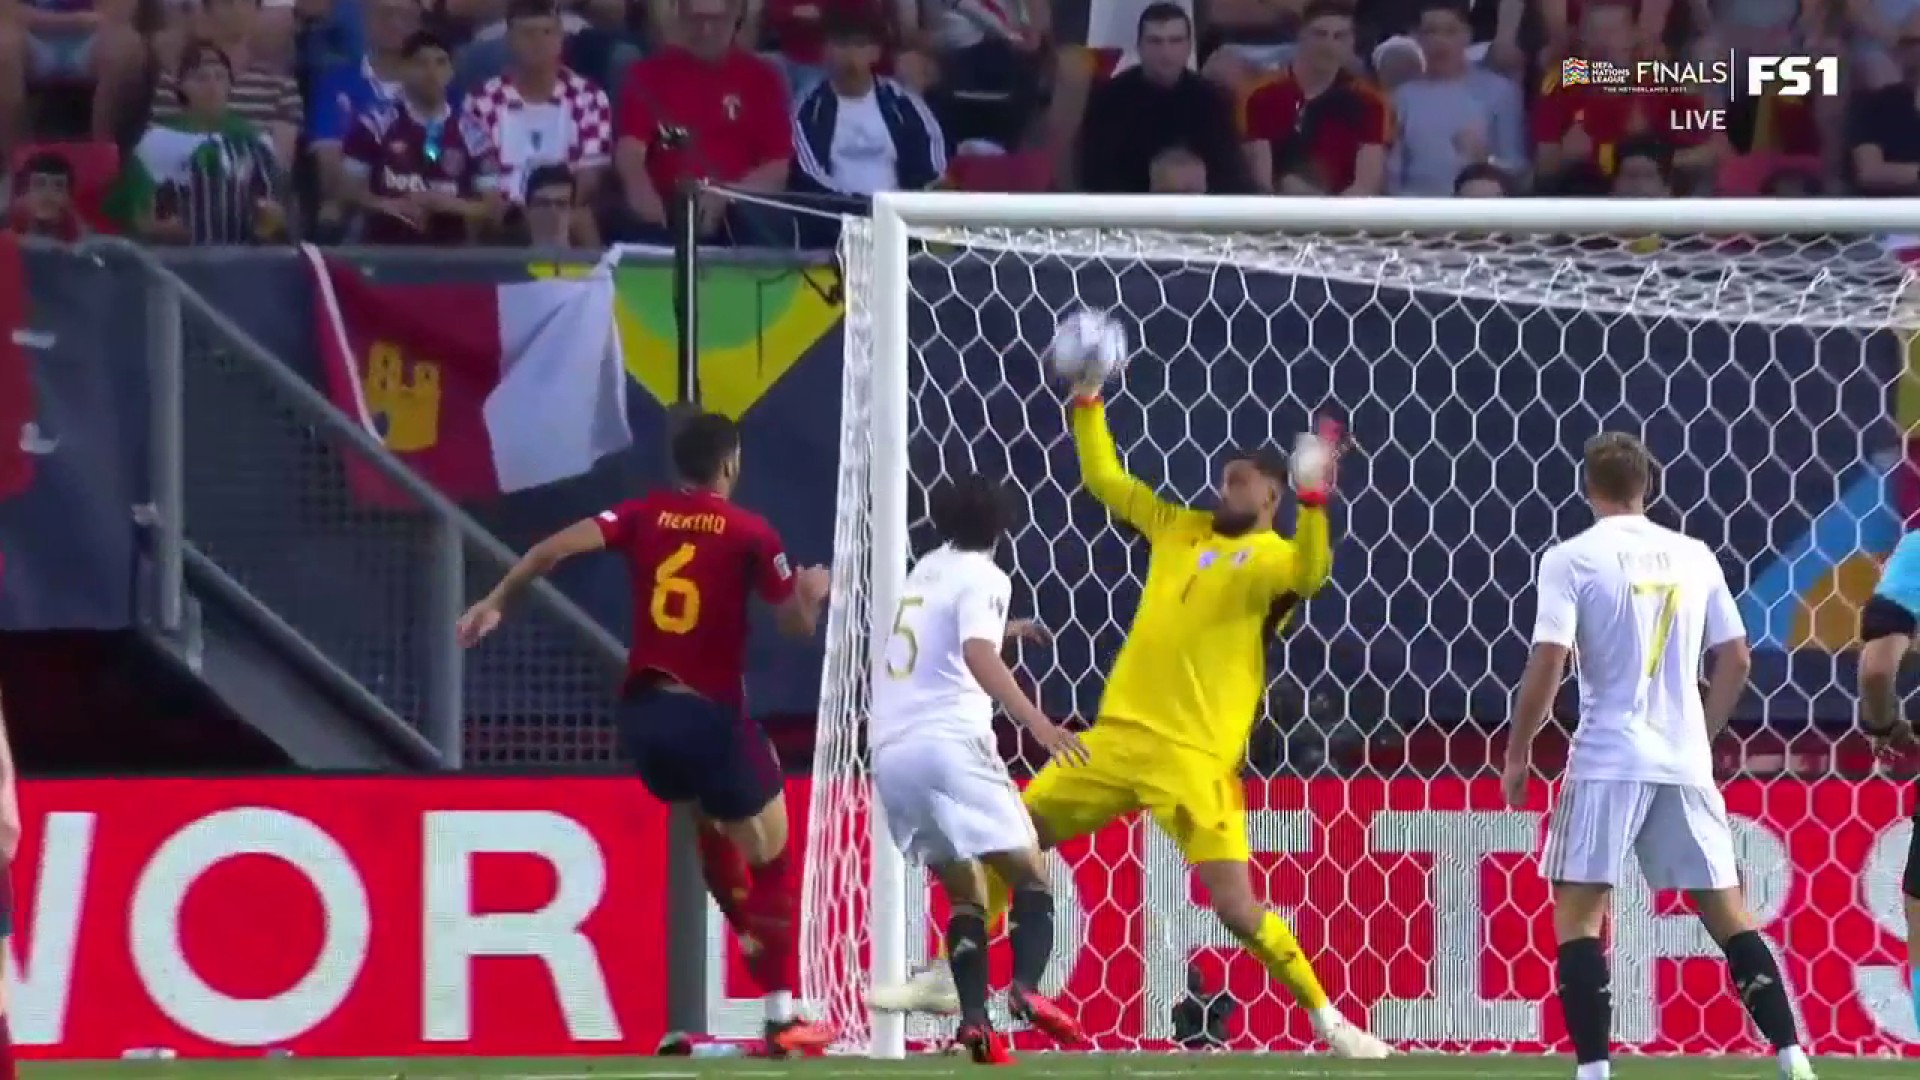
[250,496]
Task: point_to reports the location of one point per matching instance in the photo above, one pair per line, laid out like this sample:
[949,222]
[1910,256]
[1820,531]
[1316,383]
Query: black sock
[1030,929]
[967,957]
[1586,997]
[1757,979]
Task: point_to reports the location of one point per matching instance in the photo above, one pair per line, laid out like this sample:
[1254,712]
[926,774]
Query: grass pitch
[1053,1066]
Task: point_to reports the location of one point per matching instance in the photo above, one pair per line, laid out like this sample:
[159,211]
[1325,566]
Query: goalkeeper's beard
[1234,522]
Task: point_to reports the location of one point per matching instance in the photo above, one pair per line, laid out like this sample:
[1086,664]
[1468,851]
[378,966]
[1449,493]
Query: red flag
[17,405]
[480,388]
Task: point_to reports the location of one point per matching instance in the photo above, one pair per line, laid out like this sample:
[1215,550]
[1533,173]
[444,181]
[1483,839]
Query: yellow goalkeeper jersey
[1194,666]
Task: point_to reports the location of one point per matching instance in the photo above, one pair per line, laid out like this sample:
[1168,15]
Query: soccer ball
[1088,347]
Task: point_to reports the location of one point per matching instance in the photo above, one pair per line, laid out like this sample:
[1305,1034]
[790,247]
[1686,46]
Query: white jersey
[921,686]
[1639,605]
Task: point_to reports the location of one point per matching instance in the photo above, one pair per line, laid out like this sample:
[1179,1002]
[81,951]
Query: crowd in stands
[576,122]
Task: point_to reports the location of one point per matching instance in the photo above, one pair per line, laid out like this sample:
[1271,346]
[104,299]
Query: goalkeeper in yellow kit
[1182,697]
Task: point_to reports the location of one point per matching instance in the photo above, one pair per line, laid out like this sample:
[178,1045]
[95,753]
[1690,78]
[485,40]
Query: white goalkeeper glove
[1313,464]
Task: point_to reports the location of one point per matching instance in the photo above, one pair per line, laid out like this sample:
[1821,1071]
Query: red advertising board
[523,916]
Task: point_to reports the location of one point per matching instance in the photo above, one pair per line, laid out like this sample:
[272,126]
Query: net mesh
[1766,373]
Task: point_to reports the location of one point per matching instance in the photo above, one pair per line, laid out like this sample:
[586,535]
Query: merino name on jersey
[921,686]
[1639,604]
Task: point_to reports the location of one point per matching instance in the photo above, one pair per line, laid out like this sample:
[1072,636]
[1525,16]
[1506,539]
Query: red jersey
[696,560]
[1324,132]
[1609,117]
[715,120]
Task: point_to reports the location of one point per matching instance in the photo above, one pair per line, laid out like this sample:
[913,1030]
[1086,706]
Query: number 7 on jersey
[1661,600]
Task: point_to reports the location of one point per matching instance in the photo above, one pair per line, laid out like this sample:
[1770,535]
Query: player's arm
[1887,630]
[982,617]
[1553,628]
[796,598]
[590,534]
[1730,658]
[1107,480]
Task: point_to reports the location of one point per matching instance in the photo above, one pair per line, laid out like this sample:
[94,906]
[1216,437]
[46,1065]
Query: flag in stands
[480,388]
[18,432]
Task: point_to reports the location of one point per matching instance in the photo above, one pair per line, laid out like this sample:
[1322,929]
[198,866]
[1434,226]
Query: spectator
[1158,104]
[266,98]
[1316,128]
[365,84]
[546,222]
[68,40]
[704,110]
[43,199]
[798,29]
[855,133]
[990,56]
[1645,169]
[1582,125]
[420,175]
[541,112]
[1885,130]
[1482,180]
[205,176]
[591,34]
[1456,115]
[1178,171]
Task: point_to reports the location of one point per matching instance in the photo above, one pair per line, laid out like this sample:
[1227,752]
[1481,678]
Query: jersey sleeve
[621,524]
[1553,620]
[1723,611]
[772,572]
[980,611]
[1118,490]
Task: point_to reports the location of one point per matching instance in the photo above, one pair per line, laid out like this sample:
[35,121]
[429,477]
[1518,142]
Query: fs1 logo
[1794,75]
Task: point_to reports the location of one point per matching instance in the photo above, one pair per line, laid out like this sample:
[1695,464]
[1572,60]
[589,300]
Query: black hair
[702,446]
[48,163]
[1457,8]
[1483,170]
[1271,463]
[531,9]
[199,54]
[850,25]
[970,512]
[1321,9]
[1648,147]
[1161,11]
[420,41]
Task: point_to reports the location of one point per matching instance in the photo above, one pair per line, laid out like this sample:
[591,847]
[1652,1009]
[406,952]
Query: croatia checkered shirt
[584,118]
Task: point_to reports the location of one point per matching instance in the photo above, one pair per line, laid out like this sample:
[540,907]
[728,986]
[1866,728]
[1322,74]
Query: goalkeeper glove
[1314,463]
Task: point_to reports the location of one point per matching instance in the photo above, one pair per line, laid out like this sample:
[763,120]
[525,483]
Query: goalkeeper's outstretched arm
[1108,481]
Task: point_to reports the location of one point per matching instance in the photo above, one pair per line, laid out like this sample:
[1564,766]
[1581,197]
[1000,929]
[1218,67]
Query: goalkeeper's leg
[1268,937]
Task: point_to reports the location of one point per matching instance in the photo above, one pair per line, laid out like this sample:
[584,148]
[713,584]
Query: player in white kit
[1638,605]
[948,799]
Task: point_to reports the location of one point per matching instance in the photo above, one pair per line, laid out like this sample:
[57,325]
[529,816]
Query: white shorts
[947,800]
[1679,834]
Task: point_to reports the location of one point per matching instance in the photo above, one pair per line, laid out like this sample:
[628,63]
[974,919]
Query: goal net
[1768,373]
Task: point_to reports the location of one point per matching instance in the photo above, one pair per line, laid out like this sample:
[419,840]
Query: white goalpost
[1765,350]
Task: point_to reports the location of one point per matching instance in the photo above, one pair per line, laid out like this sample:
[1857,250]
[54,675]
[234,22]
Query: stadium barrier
[521,916]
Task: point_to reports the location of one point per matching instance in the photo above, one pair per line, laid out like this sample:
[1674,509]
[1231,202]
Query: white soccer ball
[1088,347]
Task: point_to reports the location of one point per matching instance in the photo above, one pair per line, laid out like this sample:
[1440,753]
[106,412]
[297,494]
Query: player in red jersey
[696,559]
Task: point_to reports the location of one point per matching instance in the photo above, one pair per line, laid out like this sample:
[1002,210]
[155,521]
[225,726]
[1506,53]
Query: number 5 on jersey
[676,599]
[1662,600]
[903,633]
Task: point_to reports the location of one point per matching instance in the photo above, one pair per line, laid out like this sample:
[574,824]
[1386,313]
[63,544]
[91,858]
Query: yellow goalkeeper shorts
[1200,805]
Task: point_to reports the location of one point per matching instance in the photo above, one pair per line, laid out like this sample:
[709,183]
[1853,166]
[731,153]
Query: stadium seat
[95,165]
